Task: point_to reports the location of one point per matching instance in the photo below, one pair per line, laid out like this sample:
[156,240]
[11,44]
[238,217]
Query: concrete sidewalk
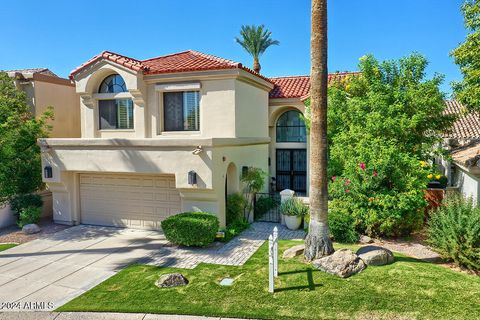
[98,316]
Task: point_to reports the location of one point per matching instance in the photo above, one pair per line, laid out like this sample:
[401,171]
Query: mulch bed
[14,234]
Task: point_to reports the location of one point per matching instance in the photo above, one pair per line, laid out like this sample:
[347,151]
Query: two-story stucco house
[173,134]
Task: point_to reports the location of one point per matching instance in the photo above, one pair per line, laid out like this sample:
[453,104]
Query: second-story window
[181,111]
[114,113]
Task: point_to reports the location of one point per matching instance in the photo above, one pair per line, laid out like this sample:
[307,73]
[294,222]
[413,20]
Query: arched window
[114,113]
[112,84]
[291,127]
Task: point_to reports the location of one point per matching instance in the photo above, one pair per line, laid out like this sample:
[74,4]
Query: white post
[270,264]
[284,195]
[275,252]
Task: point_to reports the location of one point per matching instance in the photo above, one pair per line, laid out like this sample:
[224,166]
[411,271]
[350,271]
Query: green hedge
[195,229]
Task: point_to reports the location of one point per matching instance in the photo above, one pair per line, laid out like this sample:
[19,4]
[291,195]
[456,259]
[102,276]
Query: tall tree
[255,40]
[20,163]
[317,242]
[467,56]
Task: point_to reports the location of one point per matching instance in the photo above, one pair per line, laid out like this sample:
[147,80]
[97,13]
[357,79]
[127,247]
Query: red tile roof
[178,62]
[467,126]
[298,86]
[130,63]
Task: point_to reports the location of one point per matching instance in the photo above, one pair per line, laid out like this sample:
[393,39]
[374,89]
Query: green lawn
[6,246]
[406,289]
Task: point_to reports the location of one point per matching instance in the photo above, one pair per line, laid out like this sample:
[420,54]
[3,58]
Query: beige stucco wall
[66,106]
[87,84]
[217,110]
[251,112]
[210,165]
[233,131]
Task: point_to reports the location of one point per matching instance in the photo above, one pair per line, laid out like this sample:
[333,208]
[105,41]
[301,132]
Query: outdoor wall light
[48,172]
[192,177]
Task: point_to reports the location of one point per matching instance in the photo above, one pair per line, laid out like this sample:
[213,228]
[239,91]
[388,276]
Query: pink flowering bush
[382,191]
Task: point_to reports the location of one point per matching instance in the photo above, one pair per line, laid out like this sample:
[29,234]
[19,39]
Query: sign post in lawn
[272,259]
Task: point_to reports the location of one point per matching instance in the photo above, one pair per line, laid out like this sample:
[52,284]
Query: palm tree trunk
[256,65]
[317,242]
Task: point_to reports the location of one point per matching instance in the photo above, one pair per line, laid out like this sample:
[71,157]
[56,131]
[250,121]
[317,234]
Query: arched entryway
[291,152]
[231,179]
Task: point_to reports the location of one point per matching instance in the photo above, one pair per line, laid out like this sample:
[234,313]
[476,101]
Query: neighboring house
[463,141]
[172,134]
[43,88]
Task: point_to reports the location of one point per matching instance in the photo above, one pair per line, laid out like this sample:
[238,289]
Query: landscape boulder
[365,239]
[342,263]
[31,228]
[375,256]
[171,280]
[294,251]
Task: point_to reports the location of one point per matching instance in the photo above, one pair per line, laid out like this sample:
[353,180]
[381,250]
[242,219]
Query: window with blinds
[115,114]
[181,111]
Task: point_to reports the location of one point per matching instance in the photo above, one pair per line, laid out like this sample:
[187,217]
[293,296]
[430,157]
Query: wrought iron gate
[266,207]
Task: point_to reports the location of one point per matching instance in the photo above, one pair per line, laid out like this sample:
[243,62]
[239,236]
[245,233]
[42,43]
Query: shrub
[294,207]
[196,229]
[253,180]
[383,190]
[265,204]
[22,201]
[235,228]
[341,223]
[29,215]
[236,204]
[454,232]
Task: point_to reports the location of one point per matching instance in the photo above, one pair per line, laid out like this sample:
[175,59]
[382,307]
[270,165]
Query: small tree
[254,181]
[20,164]
[255,40]
[383,123]
[467,56]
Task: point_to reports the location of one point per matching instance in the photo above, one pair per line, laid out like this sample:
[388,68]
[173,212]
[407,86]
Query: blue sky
[60,35]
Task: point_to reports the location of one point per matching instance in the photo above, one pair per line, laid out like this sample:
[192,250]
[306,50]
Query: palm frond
[255,39]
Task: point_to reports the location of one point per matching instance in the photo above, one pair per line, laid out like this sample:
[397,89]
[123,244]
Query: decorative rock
[294,251]
[365,239]
[171,280]
[375,256]
[31,228]
[342,263]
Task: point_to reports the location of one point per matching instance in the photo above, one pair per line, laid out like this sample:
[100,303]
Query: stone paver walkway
[234,253]
[52,271]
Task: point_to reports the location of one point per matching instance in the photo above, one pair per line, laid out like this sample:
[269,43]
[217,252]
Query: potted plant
[293,210]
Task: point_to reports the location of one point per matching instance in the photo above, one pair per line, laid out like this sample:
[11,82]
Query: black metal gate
[266,207]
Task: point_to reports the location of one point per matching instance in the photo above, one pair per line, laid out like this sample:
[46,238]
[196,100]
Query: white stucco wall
[468,184]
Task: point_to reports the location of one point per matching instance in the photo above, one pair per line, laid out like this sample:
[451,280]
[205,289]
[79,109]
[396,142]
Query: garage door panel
[124,200]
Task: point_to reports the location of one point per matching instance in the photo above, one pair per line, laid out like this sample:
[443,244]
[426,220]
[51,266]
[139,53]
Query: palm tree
[255,40]
[317,242]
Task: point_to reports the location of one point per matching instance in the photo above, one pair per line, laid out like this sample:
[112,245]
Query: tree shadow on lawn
[416,260]
[310,286]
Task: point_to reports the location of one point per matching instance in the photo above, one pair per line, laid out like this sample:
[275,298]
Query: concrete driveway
[46,273]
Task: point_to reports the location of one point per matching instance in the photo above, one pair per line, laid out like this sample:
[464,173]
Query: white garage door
[128,200]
